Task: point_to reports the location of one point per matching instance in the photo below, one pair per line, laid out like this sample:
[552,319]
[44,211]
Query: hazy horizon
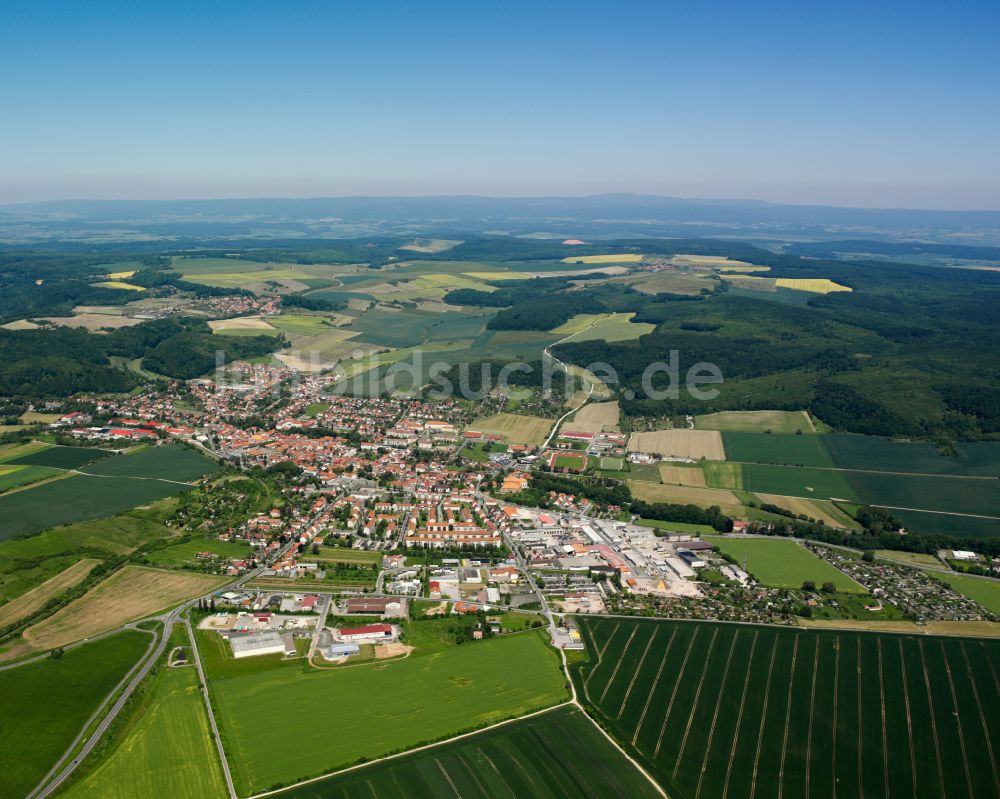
[884,107]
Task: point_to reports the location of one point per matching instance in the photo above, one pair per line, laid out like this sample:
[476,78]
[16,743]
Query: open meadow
[684,495]
[757,421]
[555,755]
[780,563]
[744,711]
[166,753]
[132,592]
[419,699]
[46,704]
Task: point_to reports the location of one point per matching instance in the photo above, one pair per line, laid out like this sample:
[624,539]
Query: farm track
[673,695]
[836,698]
[652,690]
[881,702]
[694,706]
[788,715]
[739,716]
[860,726]
[812,708]
[715,716]
[982,717]
[958,719]
[618,665]
[909,717]
[763,718]
[930,705]
[638,668]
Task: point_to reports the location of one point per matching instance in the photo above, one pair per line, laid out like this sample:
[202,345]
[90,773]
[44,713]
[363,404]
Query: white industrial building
[263,643]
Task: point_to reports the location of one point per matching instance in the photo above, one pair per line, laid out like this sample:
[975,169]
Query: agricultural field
[242,326]
[93,321]
[132,592]
[948,524]
[757,421]
[60,457]
[46,704]
[852,451]
[26,563]
[420,698]
[778,448]
[972,495]
[514,428]
[173,462]
[671,282]
[984,590]
[695,444]
[554,755]
[821,510]
[621,258]
[604,327]
[595,417]
[118,284]
[743,711]
[705,497]
[682,474]
[723,474]
[167,751]
[74,499]
[780,563]
[794,481]
[13,476]
[34,600]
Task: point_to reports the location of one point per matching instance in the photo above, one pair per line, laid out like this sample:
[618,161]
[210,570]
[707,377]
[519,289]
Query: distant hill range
[597,217]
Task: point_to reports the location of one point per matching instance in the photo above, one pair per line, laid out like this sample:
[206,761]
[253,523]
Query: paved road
[46,788]
[168,624]
[211,716]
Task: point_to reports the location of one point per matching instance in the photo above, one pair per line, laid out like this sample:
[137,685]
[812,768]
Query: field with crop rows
[719,710]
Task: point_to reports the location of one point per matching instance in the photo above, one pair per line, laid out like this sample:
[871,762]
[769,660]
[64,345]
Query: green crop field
[780,563]
[61,457]
[168,752]
[739,711]
[12,476]
[975,495]
[337,716]
[984,590]
[780,448]
[949,524]
[851,451]
[797,481]
[77,498]
[555,755]
[46,704]
[168,462]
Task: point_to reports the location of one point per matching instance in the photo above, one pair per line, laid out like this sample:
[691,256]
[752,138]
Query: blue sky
[875,103]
